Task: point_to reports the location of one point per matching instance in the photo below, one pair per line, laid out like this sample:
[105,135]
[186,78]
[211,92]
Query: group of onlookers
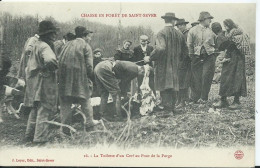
[182,63]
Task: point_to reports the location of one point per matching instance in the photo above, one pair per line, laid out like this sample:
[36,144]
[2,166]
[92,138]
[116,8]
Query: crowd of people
[182,62]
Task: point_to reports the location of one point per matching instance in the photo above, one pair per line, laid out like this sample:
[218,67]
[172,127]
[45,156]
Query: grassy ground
[196,126]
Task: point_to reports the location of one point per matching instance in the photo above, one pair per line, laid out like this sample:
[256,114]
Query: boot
[222,103]
[235,104]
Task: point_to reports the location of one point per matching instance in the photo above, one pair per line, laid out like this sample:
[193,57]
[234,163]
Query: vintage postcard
[155,84]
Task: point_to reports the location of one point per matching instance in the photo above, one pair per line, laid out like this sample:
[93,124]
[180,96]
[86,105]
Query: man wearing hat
[75,72]
[41,89]
[181,24]
[201,44]
[140,52]
[170,48]
[184,68]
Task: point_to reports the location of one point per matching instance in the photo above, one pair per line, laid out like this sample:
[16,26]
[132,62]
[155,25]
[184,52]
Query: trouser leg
[182,96]
[173,98]
[87,110]
[196,68]
[31,123]
[236,99]
[169,98]
[207,76]
[151,82]
[42,130]
[103,104]
[65,113]
[117,104]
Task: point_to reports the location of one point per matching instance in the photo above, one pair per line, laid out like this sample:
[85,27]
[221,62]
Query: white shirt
[144,47]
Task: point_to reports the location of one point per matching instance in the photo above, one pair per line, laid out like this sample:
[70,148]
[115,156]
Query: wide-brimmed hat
[46,27]
[181,22]
[194,23]
[81,31]
[169,15]
[205,15]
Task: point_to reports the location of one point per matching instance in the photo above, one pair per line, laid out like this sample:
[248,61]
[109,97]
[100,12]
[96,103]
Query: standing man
[184,68]
[170,48]
[139,53]
[201,44]
[41,90]
[75,72]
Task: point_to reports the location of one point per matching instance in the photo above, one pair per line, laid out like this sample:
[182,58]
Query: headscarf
[237,35]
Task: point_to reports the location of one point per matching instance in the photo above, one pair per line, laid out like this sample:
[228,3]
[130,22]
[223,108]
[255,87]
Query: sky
[244,14]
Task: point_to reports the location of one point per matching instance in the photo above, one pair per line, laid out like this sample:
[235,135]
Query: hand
[146,59]
[225,60]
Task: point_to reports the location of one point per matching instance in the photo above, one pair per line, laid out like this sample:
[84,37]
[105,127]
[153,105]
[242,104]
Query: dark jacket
[124,55]
[139,54]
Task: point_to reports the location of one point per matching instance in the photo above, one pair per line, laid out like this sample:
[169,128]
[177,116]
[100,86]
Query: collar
[143,47]
[168,24]
[203,26]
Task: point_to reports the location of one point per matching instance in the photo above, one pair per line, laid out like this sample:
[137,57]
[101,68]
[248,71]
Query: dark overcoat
[170,48]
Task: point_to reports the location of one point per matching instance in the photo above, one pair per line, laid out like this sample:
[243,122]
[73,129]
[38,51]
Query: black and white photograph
[127,84]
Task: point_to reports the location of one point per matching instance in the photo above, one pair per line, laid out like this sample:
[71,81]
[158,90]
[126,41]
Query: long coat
[41,77]
[75,69]
[170,47]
